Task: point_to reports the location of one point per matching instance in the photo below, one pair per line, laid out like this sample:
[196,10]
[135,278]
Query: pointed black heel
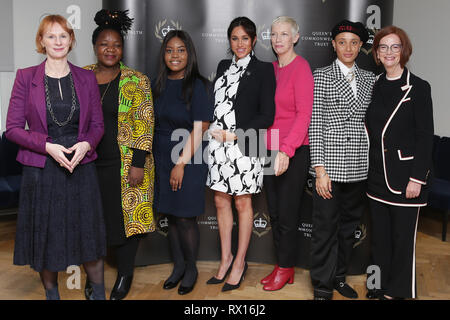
[229,287]
[214,280]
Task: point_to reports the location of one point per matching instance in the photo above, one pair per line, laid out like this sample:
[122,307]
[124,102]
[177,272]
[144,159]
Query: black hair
[191,73]
[248,25]
[111,20]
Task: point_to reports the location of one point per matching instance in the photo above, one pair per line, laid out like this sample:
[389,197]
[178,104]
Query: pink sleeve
[303,98]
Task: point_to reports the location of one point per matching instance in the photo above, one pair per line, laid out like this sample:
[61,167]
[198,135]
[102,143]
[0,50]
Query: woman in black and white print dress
[230,171]
[244,100]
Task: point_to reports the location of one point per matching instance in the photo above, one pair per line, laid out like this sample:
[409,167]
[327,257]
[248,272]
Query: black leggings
[184,239]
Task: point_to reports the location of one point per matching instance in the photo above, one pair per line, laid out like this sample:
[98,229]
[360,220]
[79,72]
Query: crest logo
[264,34]
[163,27]
[212,76]
[367,47]
[260,224]
[360,235]
[162,225]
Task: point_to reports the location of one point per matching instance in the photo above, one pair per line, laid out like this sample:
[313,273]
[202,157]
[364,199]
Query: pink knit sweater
[293,102]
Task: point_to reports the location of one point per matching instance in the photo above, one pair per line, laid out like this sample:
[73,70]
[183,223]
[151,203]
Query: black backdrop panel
[207,22]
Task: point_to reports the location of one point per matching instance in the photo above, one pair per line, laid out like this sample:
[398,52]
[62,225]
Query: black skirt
[60,220]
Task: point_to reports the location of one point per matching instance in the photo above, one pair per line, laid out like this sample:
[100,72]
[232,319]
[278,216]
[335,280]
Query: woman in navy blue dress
[183,110]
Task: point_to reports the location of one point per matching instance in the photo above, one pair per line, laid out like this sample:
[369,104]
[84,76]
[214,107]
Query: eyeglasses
[395,48]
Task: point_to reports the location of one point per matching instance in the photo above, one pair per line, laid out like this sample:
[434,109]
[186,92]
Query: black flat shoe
[185,290]
[214,280]
[172,284]
[372,294]
[121,287]
[344,289]
[88,290]
[229,287]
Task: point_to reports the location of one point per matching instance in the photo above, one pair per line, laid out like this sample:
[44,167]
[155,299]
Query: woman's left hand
[135,176]
[281,163]
[80,148]
[413,190]
[223,135]
[176,177]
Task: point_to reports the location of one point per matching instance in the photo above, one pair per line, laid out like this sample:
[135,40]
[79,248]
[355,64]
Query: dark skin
[109,51]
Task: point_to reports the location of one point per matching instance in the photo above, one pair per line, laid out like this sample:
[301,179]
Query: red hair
[46,23]
[406,43]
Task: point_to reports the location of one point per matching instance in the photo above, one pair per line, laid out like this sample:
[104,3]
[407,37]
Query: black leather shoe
[214,280]
[229,287]
[171,284]
[88,290]
[185,290]
[121,287]
[321,298]
[372,294]
[344,289]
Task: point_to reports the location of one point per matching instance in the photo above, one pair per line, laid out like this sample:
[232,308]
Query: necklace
[49,105]
[104,92]
[107,87]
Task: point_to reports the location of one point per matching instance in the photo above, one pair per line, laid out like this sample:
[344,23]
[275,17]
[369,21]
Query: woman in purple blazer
[60,220]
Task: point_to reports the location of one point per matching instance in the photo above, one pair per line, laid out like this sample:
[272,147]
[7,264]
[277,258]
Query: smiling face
[347,45]
[389,59]
[109,48]
[56,41]
[176,58]
[241,43]
[282,38]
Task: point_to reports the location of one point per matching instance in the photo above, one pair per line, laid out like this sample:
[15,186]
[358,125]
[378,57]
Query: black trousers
[284,195]
[334,223]
[394,230]
[125,255]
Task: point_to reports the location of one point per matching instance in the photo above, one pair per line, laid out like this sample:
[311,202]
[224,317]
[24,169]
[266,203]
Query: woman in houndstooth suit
[339,159]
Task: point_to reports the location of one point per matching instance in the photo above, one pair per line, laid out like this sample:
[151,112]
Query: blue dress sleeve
[202,106]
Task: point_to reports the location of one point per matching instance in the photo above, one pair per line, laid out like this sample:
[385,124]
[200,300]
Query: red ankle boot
[280,278]
[268,279]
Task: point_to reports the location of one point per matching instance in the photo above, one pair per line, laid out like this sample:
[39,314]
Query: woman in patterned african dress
[125,165]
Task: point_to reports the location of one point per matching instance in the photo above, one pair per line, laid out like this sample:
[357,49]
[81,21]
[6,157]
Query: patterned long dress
[229,170]
[135,132]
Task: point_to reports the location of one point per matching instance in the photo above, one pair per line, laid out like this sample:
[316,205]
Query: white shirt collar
[244,61]
[344,68]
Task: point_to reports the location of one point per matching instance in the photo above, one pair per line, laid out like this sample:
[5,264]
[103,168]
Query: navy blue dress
[174,121]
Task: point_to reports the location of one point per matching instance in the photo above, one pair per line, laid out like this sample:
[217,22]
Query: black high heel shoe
[214,280]
[229,287]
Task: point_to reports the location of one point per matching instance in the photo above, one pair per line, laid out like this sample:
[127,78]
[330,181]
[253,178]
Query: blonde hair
[47,22]
[285,19]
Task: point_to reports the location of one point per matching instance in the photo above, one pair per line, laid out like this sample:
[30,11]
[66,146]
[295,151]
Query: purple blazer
[28,106]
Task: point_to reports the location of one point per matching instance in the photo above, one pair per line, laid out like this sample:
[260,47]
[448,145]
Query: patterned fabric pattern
[135,131]
[229,170]
[337,135]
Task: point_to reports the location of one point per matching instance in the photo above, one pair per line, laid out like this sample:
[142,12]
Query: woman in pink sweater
[287,141]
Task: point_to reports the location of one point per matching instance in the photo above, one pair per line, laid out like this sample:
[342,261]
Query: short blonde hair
[285,19]
[47,22]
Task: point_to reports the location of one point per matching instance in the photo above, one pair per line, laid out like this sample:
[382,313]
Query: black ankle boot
[121,287]
[52,294]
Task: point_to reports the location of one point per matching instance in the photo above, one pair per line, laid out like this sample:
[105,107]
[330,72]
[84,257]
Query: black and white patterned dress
[229,170]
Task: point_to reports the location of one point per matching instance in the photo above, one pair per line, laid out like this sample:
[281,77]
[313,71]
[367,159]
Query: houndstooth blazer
[338,139]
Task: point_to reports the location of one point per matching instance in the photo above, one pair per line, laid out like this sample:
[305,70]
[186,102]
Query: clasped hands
[58,152]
